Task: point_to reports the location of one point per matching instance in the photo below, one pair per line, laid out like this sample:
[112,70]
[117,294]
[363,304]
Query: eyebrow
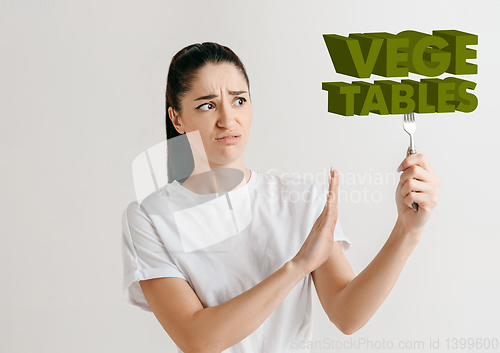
[211,96]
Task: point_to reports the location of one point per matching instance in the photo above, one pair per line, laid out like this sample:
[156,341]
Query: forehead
[211,78]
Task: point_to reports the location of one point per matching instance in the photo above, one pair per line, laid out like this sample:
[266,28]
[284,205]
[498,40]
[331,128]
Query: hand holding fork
[418,188]
[410,126]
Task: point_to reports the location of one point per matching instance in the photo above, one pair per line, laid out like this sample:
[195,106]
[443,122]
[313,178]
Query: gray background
[82,94]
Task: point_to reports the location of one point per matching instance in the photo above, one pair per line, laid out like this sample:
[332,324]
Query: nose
[226,116]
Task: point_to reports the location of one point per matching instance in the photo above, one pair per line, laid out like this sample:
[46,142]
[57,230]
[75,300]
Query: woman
[233,272]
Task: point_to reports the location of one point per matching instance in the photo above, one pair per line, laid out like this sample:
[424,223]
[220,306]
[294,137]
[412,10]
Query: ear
[174,117]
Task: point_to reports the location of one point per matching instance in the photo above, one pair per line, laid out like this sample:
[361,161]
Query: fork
[410,126]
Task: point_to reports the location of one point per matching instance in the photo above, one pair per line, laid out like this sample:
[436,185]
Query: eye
[204,107]
[240,99]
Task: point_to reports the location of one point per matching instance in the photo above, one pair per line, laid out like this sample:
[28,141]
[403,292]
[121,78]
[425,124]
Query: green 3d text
[389,55]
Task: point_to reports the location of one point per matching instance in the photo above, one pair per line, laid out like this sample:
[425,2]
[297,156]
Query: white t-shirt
[223,244]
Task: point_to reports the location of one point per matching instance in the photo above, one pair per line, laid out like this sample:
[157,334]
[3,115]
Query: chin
[226,154]
[225,158]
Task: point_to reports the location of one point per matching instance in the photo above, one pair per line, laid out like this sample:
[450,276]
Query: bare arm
[351,301]
[214,329]
[352,306]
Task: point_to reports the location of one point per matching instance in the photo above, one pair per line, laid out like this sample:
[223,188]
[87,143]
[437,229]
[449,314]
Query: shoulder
[143,208]
[158,202]
[134,214]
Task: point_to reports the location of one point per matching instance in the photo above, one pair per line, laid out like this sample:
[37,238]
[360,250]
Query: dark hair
[183,68]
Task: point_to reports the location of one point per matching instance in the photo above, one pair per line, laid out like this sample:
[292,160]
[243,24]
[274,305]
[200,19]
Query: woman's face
[218,104]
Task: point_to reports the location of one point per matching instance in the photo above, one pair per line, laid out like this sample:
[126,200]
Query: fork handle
[413,151]
[412,146]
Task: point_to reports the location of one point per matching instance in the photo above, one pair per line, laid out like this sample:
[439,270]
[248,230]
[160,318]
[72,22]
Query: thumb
[332,200]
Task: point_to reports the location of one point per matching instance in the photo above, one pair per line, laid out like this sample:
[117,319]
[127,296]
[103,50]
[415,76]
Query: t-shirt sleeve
[144,255]
[318,205]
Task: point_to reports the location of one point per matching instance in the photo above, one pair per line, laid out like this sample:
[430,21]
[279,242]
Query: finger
[414,185]
[419,173]
[416,159]
[425,201]
[334,187]
[331,211]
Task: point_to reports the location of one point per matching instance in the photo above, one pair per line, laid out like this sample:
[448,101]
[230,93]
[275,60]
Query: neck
[218,177]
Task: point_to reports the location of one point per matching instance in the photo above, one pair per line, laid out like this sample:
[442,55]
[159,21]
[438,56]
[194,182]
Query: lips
[228,139]
[227,136]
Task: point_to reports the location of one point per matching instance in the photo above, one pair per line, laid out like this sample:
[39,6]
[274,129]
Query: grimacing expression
[218,103]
